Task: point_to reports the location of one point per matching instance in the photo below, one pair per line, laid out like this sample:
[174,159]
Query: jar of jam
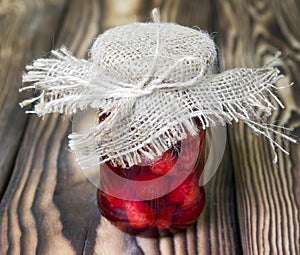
[157,197]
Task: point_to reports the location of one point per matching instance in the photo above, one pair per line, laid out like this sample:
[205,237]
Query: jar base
[170,220]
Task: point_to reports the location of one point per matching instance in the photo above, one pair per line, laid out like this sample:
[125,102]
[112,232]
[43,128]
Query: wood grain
[23,30]
[49,206]
[39,213]
[267,197]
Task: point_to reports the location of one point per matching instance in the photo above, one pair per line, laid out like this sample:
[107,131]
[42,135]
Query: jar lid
[139,53]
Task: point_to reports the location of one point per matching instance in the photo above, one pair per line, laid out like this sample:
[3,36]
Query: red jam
[161,197]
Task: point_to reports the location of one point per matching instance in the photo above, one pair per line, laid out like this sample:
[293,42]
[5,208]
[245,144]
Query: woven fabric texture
[150,81]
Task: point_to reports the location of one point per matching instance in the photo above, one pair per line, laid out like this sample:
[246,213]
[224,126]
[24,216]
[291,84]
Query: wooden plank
[24,33]
[123,12]
[39,213]
[267,194]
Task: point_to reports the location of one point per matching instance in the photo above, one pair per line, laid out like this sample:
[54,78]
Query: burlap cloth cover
[151,80]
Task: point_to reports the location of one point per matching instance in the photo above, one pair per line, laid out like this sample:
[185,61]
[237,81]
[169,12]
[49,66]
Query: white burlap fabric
[151,80]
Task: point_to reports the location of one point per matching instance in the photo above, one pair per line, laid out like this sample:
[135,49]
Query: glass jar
[158,197]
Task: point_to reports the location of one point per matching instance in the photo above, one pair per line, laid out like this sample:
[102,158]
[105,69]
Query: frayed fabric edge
[66,86]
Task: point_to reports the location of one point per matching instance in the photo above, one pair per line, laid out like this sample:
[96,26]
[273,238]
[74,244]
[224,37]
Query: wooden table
[47,204]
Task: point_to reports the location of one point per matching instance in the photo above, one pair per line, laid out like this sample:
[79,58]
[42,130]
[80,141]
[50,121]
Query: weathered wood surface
[268,196]
[49,207]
